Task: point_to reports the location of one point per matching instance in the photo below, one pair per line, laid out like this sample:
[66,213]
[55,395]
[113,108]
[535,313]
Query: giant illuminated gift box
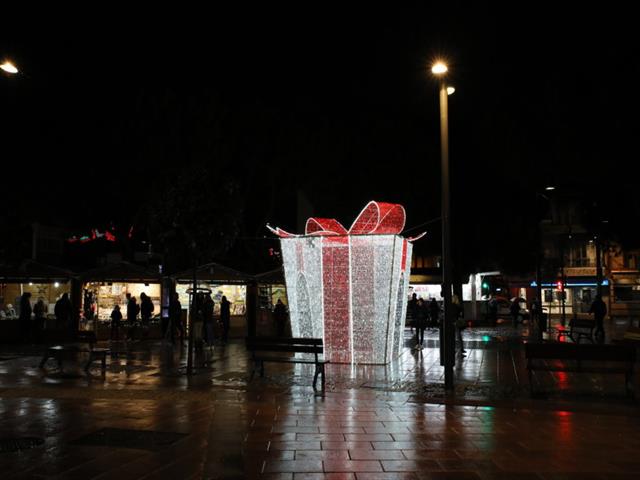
[349,287]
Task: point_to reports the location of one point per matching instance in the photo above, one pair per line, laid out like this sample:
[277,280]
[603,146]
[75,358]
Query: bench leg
[315,376]
[44,359]
[322,378]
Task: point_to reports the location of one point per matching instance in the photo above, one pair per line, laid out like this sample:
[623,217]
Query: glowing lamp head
[439,68]
[549,188]
[450,90]
[8,67]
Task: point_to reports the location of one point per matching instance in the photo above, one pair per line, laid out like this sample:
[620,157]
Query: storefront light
[57,284]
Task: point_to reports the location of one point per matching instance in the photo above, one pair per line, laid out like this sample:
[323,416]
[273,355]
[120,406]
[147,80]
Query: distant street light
[549,188]
[9,67]
[447,337]
[450,90]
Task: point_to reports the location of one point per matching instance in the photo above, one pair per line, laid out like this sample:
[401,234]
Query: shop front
[44,282]
[625,294]
[579,290]
[104,288]
[219,281]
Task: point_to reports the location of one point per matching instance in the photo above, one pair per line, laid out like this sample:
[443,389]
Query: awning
[213,272]
[122,272]
[32,271]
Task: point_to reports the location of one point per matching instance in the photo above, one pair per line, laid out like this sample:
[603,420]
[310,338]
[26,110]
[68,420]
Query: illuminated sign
[349,287]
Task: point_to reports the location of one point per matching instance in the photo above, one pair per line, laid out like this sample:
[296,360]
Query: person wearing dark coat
[599,310]
[25,316]
[280,317]
[175,318]
[62,311]
[434,312]
[132,314]
[207,319]
[39,314]
[146,310]
[421,312]
[225,317]
[116,318]
[515,311]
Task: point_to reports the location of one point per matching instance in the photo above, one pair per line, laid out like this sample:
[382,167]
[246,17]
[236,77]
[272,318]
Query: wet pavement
[146,419]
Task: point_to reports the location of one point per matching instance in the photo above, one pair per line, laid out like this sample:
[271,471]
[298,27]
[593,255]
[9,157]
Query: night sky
[339,104]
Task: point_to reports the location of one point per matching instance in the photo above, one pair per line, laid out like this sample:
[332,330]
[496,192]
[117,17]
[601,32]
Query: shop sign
[580,272]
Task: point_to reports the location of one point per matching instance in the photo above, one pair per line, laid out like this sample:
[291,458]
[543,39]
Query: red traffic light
[559,285]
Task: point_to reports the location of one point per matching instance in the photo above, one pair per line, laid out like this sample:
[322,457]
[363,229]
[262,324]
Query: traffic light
[559,285]
[485,290]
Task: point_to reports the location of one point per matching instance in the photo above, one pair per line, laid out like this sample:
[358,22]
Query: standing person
[458,317]
[132,315]
[514,308]
[280,318]
[599,310]
[421,322]
[116,318]
[411,310]
[25,316]
[39,310]
[493,310]
[146,310]
[207,319]
[434,312]
[225,317]
[175,317]
[62,311]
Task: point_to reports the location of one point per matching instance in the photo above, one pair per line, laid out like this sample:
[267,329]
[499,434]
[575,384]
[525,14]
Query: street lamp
[9,67]
[439,69]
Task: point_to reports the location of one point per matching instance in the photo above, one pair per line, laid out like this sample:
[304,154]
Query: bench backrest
[573,351]
[285,344]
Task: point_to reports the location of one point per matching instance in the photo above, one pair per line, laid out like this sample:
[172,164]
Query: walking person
[599,310]
[25,316]
[225,318]
[116,319]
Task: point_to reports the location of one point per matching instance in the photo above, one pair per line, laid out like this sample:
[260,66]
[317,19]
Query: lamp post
[8,67]
[439,69]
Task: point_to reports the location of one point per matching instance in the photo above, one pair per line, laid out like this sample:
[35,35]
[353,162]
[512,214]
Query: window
[626,293]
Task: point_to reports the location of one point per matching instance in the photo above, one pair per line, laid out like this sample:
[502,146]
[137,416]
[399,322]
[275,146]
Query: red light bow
[377,218]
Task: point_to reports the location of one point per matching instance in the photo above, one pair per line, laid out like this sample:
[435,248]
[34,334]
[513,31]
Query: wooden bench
[574,355]
[579,328]
[261,347]
[74,346]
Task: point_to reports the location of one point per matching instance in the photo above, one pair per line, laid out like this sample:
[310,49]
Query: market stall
[44,282]
[105,287]
[219,281]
